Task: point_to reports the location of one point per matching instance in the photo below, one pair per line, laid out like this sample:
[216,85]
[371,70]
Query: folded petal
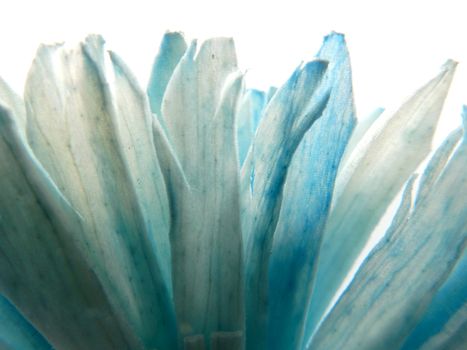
[16,332]
[95,140]
[306,201]
[199,158]
[42,270]
[390,151]
[396,284]
[290,113]
[171,50]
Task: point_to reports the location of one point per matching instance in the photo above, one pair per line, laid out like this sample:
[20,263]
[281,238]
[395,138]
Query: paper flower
[203,215]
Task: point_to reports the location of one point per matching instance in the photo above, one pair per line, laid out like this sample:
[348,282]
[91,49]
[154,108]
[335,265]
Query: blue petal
[95,141]
[249,113]
[446,315]
[396,284]
[390,151]
[171,50]
[198,155]
[42,269]
[452,296]
[306,201]
[290,113]
[16,332]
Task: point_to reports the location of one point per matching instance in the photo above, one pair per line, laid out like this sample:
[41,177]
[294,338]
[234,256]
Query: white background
[395,45]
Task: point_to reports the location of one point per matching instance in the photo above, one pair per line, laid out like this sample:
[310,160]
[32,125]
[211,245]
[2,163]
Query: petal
[201,165]
[43,272]
[445,321]
[79,128]
[360,130]
[396,284]
[16,332]
[171,50]
[290,113]
[390,151]
[249,113]
[453,336]
[11,100]
[452,296]
[306,201]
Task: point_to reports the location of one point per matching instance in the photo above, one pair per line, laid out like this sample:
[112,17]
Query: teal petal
[171,50]
[454,334]
[290,113]
[93,135]
[43,272]
[390,151]
[271,91]
[12,101]
[440,319]
[198,156]
[445,321]
[16,332]
[394,287]
[249,114]
[306,201]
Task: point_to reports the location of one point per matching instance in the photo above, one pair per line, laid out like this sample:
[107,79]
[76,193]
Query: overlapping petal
[396,284]
[288,116]
[306,201]
[201,164]
[16,332]
[44,273]
[171,50]
[126,222]
[95,141]
[374,174]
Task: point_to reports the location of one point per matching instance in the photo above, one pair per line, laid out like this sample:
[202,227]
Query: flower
[203,215]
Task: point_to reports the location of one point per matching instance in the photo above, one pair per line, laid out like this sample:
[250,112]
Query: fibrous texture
[200,214]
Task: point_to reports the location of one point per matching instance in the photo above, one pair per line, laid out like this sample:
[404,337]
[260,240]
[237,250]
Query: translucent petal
[249,113]
[95,140]
[43,272]
[446,318]
[453,336]
[306,201]
[290,113]
[396,284]
[452,296]
[12,101]
[198,156]
[171,50]
[16,332]
[390,151]
[360,130]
